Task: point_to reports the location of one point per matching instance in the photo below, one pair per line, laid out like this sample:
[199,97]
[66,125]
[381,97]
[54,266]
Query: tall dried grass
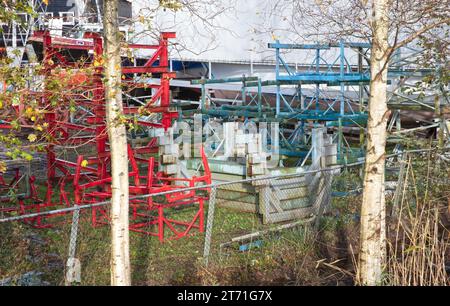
[418,243]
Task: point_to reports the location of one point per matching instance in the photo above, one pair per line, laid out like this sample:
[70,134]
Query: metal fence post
[209,224]
[324,196]
[73,264]
[400,185]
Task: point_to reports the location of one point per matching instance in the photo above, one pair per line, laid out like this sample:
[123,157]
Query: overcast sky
[229,36]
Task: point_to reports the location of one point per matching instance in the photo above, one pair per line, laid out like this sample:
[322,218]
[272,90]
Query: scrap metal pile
[77,149]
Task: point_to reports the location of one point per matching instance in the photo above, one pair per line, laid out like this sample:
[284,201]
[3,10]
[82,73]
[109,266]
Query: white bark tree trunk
[373,232]
[120,261]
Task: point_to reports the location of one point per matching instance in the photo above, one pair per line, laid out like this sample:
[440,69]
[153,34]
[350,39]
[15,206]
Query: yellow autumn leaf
[29,111]
[2,167]
[33,118]
[39,128]
[84,163]
[32,137]
[27,156]
[98,62]
[45,2]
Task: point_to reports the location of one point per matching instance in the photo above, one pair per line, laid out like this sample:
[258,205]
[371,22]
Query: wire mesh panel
[234,218]
[249,226]
[249,216]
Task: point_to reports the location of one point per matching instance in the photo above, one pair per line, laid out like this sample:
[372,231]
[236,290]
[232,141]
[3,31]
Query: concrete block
[240,150]
[253,147]
[258,169]
[156,132]
[331,160]
[164,140]
[330,149]
[229,136]
[169,159]
[172,149]
[170,169]
[242,138]
[256,158]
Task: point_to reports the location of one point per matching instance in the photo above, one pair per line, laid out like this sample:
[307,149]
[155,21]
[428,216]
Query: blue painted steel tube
[277,74]
[318,72]
[318,46]
[259,98]
[342,66]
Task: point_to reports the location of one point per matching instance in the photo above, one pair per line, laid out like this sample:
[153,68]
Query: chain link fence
[241,214]
[240,229]
[235,217]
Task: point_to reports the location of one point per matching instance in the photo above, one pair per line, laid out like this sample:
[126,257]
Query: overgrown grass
[286,258]
[418,244]
[153,263]
[419,232]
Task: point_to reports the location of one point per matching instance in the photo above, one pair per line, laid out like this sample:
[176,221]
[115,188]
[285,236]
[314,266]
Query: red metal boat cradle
[89,174]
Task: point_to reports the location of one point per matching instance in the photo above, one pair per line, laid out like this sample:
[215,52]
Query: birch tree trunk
[120,261]
[373,232]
